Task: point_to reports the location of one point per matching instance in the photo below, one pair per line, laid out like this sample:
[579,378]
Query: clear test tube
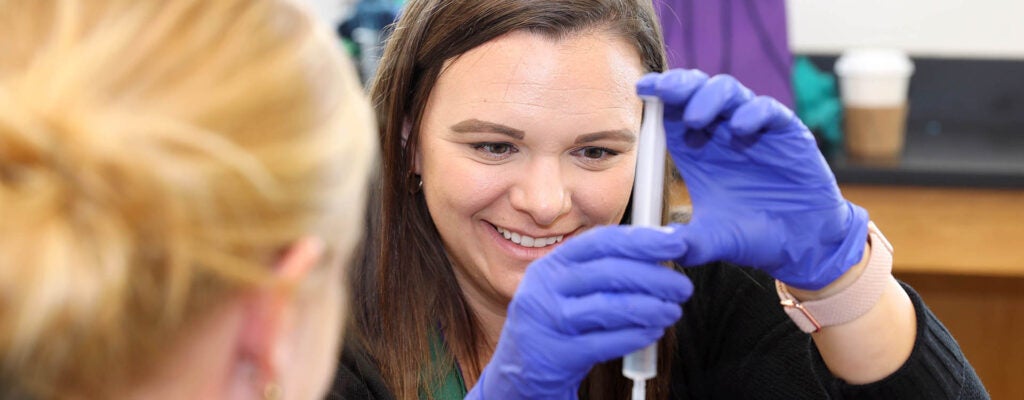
[648,189]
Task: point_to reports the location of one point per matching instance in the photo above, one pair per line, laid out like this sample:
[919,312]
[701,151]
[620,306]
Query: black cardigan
[735,342]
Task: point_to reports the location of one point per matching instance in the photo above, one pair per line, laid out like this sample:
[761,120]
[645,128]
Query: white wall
[939,28]
[330,11]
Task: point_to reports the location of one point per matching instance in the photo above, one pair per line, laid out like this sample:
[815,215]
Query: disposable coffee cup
[873,84]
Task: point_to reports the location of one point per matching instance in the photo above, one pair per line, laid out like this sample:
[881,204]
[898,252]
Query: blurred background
[951,200]
[952,203]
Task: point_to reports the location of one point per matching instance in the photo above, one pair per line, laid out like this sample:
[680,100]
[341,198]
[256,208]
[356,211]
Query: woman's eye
[596,153]
[495,150]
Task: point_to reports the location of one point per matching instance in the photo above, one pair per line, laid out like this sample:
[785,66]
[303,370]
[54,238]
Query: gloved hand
[596,297]
[762,194]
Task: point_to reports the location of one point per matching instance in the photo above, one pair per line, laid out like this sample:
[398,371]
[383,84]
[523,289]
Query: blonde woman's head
[181,182]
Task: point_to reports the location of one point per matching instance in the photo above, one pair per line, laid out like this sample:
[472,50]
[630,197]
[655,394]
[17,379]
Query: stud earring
[419,185]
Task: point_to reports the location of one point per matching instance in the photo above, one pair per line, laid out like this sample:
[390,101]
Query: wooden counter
[949,231]
[963,251]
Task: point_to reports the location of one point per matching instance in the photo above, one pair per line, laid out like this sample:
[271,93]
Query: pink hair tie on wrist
[851,302]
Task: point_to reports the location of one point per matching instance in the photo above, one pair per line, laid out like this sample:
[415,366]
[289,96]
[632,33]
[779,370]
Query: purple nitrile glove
[596,297]
[762,194]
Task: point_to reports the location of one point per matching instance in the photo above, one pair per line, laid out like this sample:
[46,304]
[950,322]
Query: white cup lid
[874,61]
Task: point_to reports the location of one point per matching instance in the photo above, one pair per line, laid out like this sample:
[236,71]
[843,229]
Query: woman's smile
[521,247]
[525,240]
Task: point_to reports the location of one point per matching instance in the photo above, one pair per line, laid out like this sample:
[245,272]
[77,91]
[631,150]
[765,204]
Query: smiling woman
[521,134]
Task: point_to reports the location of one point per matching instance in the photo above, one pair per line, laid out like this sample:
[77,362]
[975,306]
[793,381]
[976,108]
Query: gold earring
[272,391]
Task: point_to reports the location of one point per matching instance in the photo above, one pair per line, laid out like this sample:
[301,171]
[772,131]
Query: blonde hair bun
[154,155]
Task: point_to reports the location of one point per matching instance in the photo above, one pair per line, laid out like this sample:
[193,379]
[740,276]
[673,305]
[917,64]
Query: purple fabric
[743,38]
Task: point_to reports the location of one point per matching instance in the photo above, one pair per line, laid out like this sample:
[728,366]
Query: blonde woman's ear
[267,314]
[299,259]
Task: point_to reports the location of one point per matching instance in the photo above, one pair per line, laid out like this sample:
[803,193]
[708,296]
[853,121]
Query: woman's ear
[406,131]
[299,260]
[416,163]
[263,341]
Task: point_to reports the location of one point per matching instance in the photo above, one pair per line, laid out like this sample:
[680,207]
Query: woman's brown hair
[406,290]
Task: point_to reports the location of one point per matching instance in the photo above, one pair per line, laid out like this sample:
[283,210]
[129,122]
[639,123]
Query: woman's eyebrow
[478,126]
[624,135]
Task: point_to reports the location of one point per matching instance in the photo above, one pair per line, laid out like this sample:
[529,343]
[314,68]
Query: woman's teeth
[527,241]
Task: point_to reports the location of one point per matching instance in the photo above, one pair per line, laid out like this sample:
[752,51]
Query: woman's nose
[541,191]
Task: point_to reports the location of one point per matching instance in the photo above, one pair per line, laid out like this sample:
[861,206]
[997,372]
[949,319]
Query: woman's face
[526,141]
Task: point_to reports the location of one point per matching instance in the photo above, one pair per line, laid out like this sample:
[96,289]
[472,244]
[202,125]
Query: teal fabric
[818,105]
[452,386]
